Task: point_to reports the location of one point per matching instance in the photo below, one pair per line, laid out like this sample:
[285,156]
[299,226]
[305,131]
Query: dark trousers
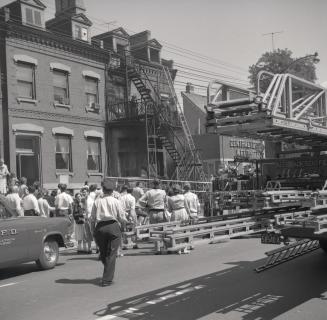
[30,213]
[108,236]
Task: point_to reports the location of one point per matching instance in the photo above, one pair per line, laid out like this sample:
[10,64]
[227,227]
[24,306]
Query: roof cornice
[57,41]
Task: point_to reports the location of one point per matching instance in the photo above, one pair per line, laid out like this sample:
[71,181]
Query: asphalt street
[213,282]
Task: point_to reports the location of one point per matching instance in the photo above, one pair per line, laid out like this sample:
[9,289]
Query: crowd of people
[102,213]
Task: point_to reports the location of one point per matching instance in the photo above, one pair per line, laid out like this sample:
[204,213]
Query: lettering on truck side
[8,232]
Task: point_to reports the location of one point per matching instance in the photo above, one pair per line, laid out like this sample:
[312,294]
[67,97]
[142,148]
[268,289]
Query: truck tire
[323,245]
[49,255]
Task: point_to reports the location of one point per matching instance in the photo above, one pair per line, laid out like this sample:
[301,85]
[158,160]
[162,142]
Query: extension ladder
[289,252]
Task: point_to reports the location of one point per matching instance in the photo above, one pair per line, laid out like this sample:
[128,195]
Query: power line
[223,65]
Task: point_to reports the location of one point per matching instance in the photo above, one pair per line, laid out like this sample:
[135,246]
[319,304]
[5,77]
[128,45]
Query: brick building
[53,83]
[76,108]
[216,150]
[136,85]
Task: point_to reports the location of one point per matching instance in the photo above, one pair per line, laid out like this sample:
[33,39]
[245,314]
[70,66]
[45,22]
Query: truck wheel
[323,245]
[49,255]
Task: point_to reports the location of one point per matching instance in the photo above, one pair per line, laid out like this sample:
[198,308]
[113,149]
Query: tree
[281,61]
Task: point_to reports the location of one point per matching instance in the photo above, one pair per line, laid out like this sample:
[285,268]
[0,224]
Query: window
[60,87]
[154,55]
[81,33]
[91,90]
[63,153]
[120,49]
[94,155]
[25,80]
[33,17]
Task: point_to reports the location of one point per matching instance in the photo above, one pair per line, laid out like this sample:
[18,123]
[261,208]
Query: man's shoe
[106,283]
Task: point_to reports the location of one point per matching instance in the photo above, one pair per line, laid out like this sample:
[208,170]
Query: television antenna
[272,34]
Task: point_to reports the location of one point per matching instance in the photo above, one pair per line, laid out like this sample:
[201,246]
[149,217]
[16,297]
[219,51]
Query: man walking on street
[107,213]
[155,199]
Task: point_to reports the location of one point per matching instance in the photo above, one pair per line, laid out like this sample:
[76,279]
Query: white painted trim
[30,127]
[91,74]
[63,130]
[25,58]
[60,66]
[93,134]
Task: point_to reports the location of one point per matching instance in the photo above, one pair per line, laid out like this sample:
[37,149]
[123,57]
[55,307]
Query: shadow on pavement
[94,281]
[237,292]
[21,269]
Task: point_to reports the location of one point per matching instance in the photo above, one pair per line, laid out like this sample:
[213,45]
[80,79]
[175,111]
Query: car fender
[56,235]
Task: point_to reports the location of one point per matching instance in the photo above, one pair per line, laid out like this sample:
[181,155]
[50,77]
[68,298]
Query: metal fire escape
[285,108]
[167,126]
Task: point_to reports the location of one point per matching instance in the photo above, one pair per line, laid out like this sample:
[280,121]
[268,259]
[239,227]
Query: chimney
[189,88]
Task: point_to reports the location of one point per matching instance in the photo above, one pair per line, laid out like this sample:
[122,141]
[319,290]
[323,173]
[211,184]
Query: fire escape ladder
[190,149]
[159,125]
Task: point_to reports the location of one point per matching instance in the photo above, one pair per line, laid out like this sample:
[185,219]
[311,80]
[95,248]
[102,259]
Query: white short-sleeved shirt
[30,203]
[63,201]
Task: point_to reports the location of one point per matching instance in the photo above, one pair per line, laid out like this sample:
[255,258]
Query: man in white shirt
[14,200]
[107,212]
[128,203]
[64,206]
[30,204]
[155,199]
[192,202]
[63,202]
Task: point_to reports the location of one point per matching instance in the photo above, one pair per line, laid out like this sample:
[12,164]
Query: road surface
[213,282]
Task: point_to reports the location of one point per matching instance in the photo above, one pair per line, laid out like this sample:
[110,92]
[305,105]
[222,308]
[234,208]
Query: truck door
[14,239]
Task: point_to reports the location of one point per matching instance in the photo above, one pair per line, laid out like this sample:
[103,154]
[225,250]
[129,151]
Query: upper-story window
[91,91]
[94,154]
[154,55]
[60,87]
[81,33]
[120,49]
[26,80]
[33,17]
[63,152]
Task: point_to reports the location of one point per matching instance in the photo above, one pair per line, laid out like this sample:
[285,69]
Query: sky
[216,39]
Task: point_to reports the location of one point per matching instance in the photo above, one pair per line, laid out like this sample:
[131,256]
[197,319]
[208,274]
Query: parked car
[24,239]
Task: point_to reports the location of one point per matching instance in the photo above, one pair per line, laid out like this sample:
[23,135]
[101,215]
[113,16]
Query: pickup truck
[25,239]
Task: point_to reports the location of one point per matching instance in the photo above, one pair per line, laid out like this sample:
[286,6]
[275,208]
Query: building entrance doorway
[28,158]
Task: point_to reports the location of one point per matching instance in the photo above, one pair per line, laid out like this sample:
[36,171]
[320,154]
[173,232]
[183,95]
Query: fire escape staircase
[177,142]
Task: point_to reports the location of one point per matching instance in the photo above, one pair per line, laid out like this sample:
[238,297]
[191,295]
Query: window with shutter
[78,32]
[29,15]
[37,18]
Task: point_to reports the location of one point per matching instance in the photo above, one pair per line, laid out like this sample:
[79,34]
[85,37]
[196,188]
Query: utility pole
[272,34]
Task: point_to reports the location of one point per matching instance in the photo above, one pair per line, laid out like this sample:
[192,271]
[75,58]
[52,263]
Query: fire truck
[290,115]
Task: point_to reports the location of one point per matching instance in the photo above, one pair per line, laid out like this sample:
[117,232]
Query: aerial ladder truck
[289,110]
